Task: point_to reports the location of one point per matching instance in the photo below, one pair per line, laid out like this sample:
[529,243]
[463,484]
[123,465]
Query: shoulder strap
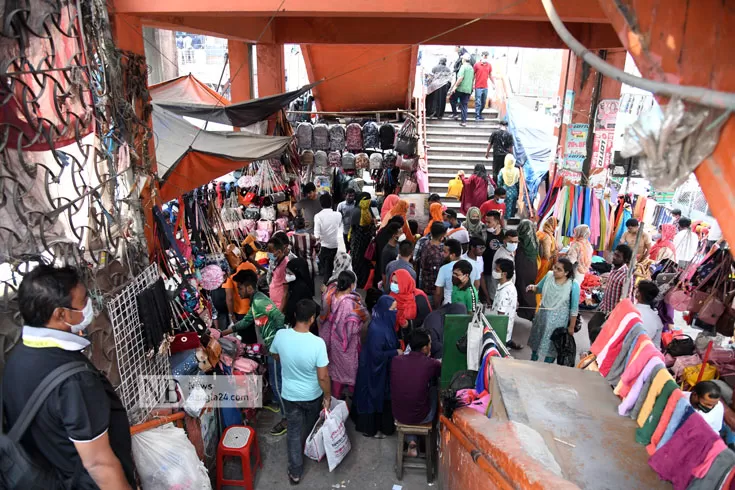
[41,393]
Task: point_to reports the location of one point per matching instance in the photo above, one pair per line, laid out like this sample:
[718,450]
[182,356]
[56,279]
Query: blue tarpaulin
[533,143]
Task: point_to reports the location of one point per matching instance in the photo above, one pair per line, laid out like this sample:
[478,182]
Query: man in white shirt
[474,257]
[507,251]
[328,230]
[443,292]
[705,399]
[686,242]
[652,324]
[506,297]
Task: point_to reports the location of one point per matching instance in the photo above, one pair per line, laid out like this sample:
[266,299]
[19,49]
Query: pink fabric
[633,371]
[701,470]
[612,325]
[595,220]
[664,420]
[606,358]
[277,289]
[629,401]
[676,460]
[474,192]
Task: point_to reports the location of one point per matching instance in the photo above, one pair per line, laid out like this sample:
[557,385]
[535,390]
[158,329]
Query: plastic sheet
[671,141]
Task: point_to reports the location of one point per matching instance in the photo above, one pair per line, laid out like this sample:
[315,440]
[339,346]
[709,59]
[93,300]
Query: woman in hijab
[664,248]
[437,88]
[399,209]
[526,268]
[361,233]
[387,206]
[436,214]
[342,262]
[341,324]
[372,388]
[474,225]
[300,286]
[413,304]
[580,252]
[474,191]
[547,247]
[509,178]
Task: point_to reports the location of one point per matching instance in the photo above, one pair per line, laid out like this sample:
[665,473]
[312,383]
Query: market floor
[369,464]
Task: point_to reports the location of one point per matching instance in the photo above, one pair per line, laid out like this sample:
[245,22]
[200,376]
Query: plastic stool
[237,441]
[422,430]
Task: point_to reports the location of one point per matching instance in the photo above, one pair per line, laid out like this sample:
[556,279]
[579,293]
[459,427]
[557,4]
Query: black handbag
[408,138]
[681,345]
[18,471]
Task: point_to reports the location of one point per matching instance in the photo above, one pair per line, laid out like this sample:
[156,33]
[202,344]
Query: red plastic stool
[237,442]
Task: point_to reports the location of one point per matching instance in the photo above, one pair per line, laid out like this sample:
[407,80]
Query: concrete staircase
[453,148]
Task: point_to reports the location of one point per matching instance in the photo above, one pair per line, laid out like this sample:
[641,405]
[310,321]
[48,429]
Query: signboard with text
[575,146]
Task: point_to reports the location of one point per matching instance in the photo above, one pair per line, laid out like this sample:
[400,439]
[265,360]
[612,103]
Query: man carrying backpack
[81,430]
[460,92]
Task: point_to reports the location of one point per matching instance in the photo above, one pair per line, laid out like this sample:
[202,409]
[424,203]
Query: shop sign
[568,106]
[576,146]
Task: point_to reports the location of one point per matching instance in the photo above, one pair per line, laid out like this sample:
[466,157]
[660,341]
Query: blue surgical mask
[501,201]
[512,247]
[271,256]
[394,288]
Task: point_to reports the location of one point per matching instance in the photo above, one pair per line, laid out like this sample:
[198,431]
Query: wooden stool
[426,431]
[237,442]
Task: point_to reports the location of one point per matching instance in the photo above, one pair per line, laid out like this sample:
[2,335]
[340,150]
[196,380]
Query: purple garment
[666,314]
[629,401]
[686,450]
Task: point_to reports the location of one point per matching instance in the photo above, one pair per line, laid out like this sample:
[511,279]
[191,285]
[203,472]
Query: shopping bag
[314,448]
[336,442]
[474,341]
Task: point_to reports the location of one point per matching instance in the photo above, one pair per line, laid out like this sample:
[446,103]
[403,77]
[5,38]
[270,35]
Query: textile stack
[684,447]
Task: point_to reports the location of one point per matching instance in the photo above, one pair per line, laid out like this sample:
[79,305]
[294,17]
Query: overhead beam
[569,10]
[377,30]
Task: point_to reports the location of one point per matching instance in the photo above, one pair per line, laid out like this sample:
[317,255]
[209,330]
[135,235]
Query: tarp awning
[238,115]
[188,158]
[185,88]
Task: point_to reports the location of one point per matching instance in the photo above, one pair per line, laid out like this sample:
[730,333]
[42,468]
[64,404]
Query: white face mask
[402,237]
[290,277]
[497,275]
[236,251]
[501,201]
[511,247]
[88,313]
[492,230]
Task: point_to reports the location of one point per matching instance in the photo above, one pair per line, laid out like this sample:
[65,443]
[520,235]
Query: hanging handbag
[370,251]
[408,138]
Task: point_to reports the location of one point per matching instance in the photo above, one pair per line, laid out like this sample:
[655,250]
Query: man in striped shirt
[304,245]
[616,280]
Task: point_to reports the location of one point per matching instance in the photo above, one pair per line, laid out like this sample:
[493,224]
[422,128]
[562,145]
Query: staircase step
[456,150]
[455,131]
[453,168]
[459,140]
[448,159]
[490,118]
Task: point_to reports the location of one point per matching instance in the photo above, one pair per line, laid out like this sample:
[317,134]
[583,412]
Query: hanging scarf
[582,241]
[527,239]
[406,296]
[436,213]
[511,175]
[474,229]
[668,232]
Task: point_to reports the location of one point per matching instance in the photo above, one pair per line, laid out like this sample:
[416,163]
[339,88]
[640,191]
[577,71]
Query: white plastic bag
[336,442]
[474,341]
[165,459]
[314,448]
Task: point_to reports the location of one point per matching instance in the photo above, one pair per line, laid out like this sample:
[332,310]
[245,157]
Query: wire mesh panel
[134,362]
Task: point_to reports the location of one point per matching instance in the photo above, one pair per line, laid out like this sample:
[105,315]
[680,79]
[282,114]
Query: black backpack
[387,136]
[18,471]
[370,135]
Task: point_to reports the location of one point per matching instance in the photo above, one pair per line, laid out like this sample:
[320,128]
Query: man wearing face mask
[494,238]
[82,427]
[390,252]
[507,251]
[278,255]
[497,203]
[705,399]
[237,306]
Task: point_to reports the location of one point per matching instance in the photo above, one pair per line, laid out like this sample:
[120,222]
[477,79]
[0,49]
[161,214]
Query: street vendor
[629,238]
[267,319]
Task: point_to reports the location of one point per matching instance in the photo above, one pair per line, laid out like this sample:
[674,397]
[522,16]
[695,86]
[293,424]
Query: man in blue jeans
[483,73]
[412,385]
[306,383]
[462,88]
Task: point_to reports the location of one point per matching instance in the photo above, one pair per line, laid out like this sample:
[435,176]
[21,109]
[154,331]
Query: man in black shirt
[501,142]
[82,430]
[494,237]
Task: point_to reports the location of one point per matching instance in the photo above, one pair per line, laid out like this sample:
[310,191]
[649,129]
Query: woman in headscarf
[474,225]
[664,248]
[341,324]
[361,233]
[474,190]
[387,206]
[437,88]
[580,252]
[399,209]
[300,286]
[342,262]
[559,309]
[436,214]
[526,268]
[547,249]
[509,178]
[372,387]
[413,304]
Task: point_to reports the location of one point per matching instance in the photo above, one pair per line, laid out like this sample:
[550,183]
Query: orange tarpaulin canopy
[185,89]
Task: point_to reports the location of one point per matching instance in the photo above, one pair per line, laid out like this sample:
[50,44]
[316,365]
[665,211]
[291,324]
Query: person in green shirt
[463,291]
[460,92]
[268,320]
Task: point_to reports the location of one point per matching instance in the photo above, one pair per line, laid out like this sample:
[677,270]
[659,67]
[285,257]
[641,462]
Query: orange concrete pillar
[241,88]
[271,69]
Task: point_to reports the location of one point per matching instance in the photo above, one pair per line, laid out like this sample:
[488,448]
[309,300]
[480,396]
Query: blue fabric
[480,380]
[372,387]
[587,209]
[676,416]
[621,229]
[687,413]
[572,218]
